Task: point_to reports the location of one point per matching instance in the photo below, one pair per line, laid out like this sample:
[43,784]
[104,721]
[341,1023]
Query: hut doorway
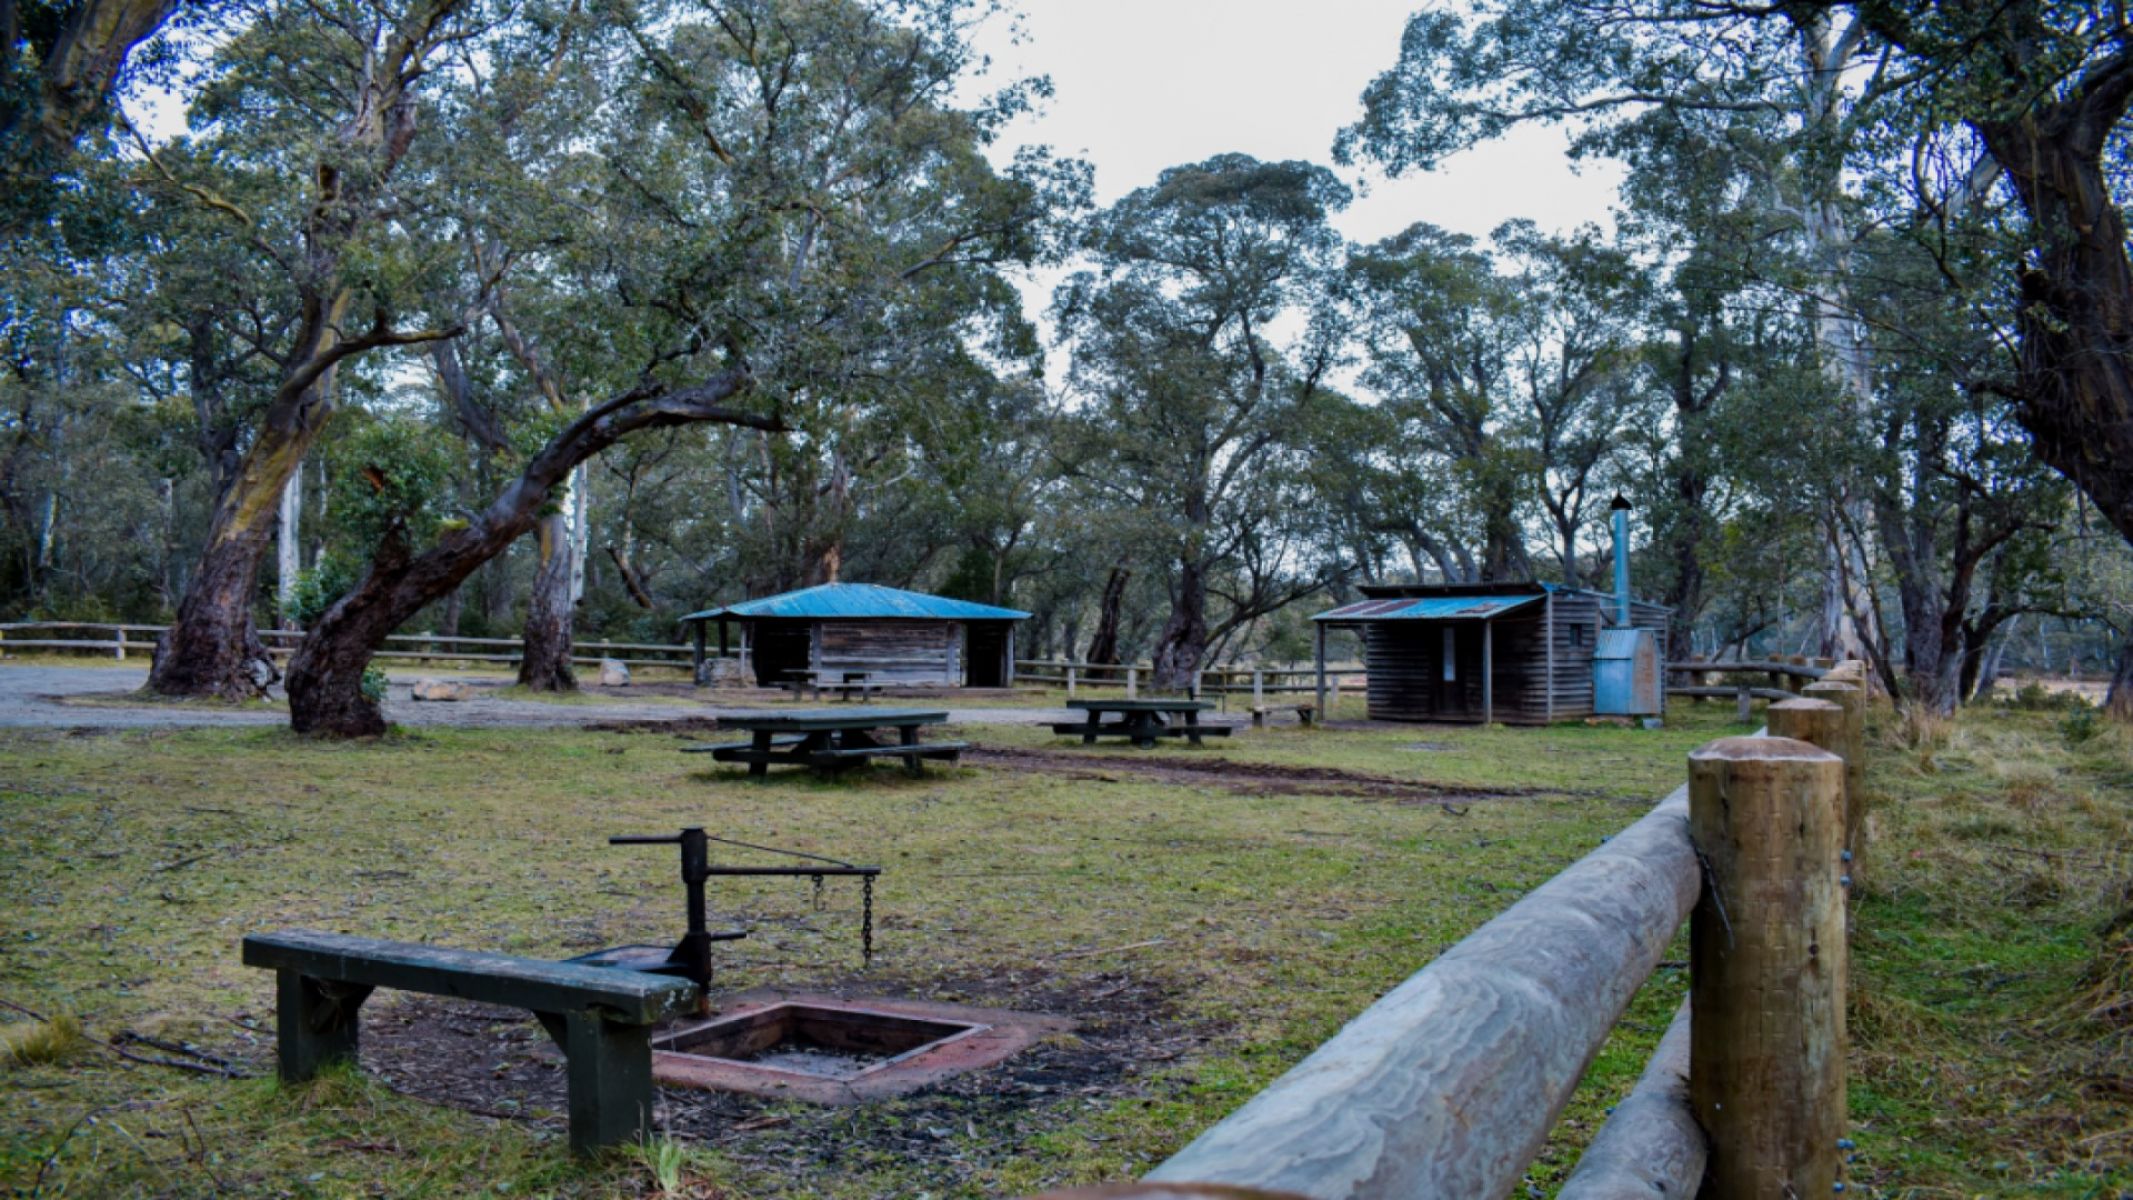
[782,649]
[985,654]
[1458,660]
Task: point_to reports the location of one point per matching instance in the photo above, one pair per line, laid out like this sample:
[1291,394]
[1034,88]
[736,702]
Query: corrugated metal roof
[1430,608]
[836,600]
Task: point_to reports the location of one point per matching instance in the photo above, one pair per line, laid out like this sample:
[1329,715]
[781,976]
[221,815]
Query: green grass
[133,863]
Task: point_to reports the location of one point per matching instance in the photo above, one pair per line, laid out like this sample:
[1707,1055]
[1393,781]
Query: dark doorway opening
[985,654]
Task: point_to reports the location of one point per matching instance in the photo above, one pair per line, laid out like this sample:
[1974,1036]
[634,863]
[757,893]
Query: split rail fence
[1220,682]
[1451,1083]
[122,640]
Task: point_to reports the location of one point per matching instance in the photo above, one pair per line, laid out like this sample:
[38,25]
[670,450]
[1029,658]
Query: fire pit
[829,1050]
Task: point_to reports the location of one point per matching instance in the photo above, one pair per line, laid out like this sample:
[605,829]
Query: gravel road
[36,697]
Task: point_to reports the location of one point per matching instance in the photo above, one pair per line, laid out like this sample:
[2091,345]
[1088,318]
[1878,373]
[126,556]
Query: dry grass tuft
[2107,995]
[1922,732]
[42,1043]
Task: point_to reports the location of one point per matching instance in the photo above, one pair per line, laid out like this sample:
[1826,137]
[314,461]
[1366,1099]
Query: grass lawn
[1207,925]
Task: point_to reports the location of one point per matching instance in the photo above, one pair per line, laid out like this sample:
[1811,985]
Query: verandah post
[1768,966]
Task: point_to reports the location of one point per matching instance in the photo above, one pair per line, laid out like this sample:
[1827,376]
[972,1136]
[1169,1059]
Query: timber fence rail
[120,640]
[1220,682]
[1451,1083]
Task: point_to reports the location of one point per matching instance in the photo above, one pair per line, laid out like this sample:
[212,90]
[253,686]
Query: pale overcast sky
[1140,85]
[1147,84]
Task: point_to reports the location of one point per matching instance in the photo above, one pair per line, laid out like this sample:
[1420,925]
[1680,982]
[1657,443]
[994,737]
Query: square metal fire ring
[836,1050]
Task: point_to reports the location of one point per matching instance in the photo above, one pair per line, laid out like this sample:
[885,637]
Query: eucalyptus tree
[2041,95]
[59,63]
[1191,406]
[1441,330]
[307,117]
[1802,78]
[792,202]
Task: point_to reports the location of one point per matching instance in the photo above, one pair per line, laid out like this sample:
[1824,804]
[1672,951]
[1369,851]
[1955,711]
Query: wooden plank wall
[903,652]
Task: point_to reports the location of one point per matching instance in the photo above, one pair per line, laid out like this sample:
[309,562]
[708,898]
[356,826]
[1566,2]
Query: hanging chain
[818,893]
[866,919]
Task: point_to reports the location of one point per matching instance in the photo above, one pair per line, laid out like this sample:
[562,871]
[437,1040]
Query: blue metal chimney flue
[1621,510]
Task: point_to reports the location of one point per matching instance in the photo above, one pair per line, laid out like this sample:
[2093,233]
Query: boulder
[442,689]
[614,673]
[723,673]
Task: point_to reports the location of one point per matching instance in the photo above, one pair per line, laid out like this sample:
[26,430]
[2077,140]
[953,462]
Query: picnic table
[844,683]
[831,740]
[1143,721]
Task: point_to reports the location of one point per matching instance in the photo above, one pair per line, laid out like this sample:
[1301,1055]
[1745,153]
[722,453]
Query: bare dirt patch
[497,1062]
[1256,778]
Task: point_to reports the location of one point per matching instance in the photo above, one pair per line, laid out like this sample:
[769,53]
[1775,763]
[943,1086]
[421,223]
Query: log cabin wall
[893,651]
[1542,654]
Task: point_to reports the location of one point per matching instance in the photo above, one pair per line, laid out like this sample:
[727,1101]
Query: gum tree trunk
[2075,376]
[2118,702]
[545,662]
[212,648]
[1182,644]
[1103,647]
[326,674]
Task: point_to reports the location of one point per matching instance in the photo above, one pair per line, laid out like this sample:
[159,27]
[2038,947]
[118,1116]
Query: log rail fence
[121,640]
[1450,1084]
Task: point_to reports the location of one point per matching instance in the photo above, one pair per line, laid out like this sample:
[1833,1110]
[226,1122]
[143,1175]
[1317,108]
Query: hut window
[1451,655]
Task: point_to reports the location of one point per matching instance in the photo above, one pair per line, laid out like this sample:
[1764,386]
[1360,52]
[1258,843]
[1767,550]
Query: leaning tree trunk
[326,674]
[1182,645]
[212,648]
[1103,647]
[2118,702]
[545,662]
[2075,323]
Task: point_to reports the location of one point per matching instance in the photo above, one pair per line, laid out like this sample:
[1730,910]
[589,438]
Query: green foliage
[319,585]
[2081,724]
[389,482]
[374,683]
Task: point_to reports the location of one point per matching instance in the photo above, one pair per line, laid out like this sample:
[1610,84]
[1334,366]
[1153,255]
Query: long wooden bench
[911,753]
[1122,729]
[601,1017]
[791,740]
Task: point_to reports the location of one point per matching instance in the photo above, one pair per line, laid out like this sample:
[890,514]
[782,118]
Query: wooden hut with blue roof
[1515,653]
[890,635]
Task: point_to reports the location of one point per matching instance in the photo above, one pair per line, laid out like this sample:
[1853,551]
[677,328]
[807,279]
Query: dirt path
[51,697]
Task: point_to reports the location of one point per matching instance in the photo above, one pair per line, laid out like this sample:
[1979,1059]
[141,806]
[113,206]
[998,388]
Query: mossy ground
[133,862]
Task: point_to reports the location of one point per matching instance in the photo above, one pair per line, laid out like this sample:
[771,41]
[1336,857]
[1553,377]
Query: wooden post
[696,654]
[1742,712]
[1548,640]
[1320,642]
[1258,691]
[1070,680]
[1133,690]
[1817,722]
[121,651]
[1488,673]
[1851,697]
[1767,966]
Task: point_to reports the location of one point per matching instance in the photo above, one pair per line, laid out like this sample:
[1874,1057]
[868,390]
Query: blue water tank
[1625,674]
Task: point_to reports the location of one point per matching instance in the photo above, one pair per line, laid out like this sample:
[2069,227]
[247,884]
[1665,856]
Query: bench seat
[601,1017]
[787,740]
[1122,730]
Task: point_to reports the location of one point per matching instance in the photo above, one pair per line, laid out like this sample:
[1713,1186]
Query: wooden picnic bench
[1141,721]
[832,740]
[843,683]
[601,1017]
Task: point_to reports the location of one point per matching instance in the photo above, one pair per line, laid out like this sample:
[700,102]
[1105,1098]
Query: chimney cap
[1620,504]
